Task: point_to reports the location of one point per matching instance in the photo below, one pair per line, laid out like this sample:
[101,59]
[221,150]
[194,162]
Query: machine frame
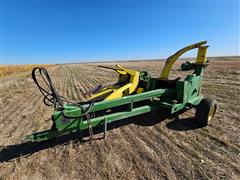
[141,94]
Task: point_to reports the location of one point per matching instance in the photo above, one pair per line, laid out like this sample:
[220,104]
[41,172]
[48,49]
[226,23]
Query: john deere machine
[133,94]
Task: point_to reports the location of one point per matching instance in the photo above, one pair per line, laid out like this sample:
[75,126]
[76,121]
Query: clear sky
[51,31]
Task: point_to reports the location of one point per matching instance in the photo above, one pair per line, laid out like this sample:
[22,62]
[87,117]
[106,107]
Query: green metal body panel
[184,94]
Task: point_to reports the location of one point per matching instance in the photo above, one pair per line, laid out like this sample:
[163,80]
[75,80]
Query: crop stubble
[168,149]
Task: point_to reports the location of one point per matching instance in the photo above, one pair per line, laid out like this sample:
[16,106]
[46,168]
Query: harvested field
[144,147]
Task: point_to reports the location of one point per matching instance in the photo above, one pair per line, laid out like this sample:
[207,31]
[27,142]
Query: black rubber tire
[203,109]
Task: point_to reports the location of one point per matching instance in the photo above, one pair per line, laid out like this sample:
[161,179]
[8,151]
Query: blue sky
[35,31]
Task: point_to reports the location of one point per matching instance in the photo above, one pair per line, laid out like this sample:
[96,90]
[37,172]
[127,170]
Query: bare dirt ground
[169,149]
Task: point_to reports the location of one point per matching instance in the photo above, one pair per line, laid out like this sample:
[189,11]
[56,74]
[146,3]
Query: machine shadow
[15,151]
[184,124]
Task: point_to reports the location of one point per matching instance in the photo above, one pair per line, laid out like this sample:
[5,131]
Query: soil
[149,146]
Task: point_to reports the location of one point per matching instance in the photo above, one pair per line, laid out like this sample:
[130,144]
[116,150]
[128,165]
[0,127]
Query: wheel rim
[211,112]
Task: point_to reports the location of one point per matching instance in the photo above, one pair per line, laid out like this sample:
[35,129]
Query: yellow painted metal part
[212,112]
[117,93]
[201,57]
[139,90]
[120,91]
[101,93]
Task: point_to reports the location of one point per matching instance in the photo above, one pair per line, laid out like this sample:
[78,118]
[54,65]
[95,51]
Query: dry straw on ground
[11,69]
[143,147]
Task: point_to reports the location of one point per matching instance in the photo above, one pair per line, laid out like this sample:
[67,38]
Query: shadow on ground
[12,152]
[184,124]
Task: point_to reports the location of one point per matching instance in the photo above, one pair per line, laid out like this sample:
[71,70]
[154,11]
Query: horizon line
[121,60]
